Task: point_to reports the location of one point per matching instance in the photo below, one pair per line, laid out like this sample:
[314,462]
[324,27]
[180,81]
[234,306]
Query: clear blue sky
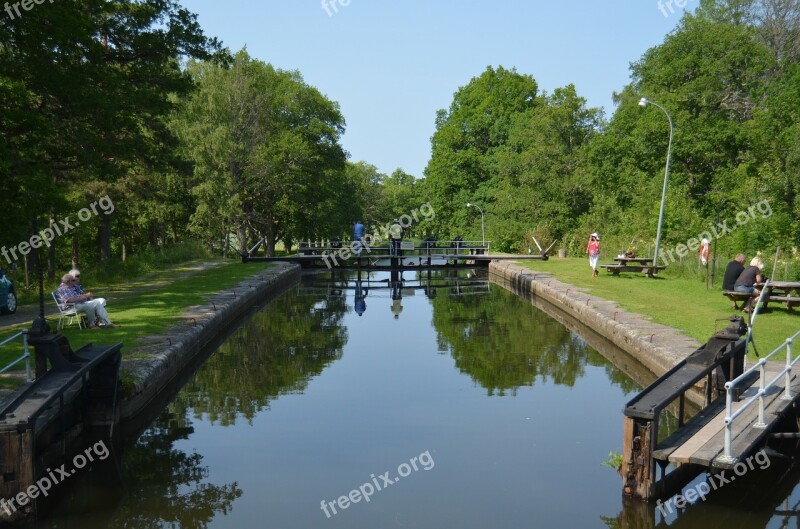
[391,64]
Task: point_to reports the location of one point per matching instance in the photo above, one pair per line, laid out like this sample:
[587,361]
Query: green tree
[76,109]
[267,157]
[545,181]
[462,167]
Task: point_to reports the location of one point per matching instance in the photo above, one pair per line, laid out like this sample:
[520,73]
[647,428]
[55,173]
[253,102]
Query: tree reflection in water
[165,485]
[275,353]
[502,343]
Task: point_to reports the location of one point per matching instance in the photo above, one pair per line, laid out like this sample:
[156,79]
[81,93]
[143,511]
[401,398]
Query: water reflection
[166,486]
[275,353]
[760,498]
[315,393]
[155,485]
[503,343]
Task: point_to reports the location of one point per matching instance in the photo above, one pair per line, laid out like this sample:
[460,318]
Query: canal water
[441,401]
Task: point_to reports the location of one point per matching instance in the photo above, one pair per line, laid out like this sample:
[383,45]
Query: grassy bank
[113,272]
[153,310]
[672,299]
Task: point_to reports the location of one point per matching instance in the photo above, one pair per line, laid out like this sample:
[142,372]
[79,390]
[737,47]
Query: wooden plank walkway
[701,441]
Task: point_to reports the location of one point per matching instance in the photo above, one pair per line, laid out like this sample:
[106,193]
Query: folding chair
[68,312]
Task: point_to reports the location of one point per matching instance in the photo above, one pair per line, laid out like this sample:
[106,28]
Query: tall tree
[467,135]
[83,87]
[268,162]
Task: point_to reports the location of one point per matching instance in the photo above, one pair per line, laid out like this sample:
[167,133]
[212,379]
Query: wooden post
[637,459]
[17,470]
[627,468]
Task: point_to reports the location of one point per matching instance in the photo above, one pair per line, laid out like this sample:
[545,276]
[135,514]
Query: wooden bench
[736,297]
[791,301]
[616,269]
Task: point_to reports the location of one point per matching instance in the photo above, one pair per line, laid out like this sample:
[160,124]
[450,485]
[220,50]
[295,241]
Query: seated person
[77,275]
[747,280]
[732,272]
[71,293]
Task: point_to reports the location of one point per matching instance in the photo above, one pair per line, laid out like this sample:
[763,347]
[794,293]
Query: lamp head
[643,102]
[469,204]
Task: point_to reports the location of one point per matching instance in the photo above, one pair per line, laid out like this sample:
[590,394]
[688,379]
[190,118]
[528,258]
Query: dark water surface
[497,415]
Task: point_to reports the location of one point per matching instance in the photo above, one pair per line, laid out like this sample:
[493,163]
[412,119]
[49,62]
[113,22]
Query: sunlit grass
[680,302]
[150,312]
[115,272]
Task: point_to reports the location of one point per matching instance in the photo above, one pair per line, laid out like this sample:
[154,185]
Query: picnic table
[777,292]
[633,264]
[781,292]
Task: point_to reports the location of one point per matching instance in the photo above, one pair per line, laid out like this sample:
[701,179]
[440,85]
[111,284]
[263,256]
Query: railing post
[787,391]
[762,375]
[728,419]
[28,376]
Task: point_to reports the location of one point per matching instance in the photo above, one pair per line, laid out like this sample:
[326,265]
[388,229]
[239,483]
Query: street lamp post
[643,102]
[483,231]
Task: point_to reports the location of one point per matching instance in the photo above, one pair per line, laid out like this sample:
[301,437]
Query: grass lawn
[151,311]
[680,302]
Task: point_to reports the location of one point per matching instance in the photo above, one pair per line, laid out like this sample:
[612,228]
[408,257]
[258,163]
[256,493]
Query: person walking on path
[593,249]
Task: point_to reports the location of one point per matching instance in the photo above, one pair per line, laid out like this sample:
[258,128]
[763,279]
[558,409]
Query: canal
[439,401]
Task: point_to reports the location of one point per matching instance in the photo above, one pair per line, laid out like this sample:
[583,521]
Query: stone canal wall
[656,347]
[153,365]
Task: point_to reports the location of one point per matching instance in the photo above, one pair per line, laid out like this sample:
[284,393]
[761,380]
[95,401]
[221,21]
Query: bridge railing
[26,356]
[763,387]
[422,247]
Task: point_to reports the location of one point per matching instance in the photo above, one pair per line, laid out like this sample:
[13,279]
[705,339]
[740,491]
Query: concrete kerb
[199,326]
[656,346]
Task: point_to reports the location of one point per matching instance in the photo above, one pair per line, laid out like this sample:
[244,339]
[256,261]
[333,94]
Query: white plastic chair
[70,313]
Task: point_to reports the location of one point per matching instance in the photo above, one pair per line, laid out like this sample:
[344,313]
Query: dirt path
[27,313]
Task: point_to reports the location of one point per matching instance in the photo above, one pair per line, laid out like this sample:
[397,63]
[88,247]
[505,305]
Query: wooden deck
[701,440]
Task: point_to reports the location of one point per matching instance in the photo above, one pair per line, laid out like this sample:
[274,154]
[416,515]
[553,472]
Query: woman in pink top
[593,249]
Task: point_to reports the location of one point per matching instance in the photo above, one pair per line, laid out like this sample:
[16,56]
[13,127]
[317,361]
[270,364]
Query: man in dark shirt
[732,272]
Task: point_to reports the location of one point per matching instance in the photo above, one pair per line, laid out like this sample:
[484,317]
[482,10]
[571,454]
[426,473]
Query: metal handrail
[763,386]
[438,242]
[433,245]
[26,354]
